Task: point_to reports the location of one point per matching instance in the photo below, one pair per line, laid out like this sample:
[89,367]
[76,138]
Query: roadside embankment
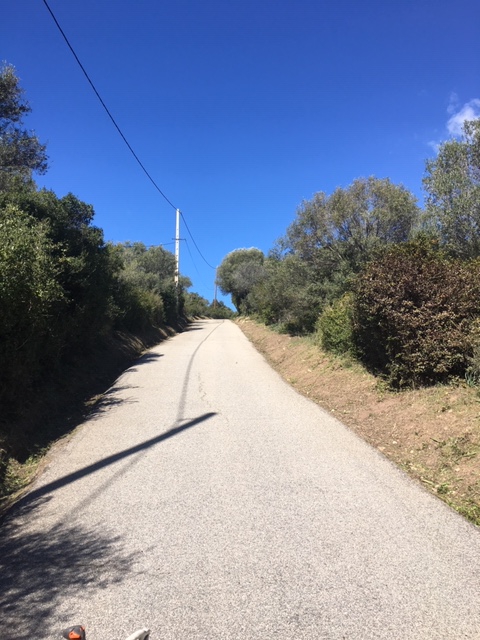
[432,433]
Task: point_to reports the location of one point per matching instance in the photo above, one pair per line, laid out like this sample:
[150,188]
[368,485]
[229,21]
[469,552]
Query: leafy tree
[287,295]
[342,231]
[30,300]
[330,241]
[452,182]
[238,273]
[196,305]
[219,310]
[21,153]
[151,270]
[86,269]
[334,327]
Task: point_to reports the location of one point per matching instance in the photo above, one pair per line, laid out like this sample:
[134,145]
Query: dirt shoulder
[432,434]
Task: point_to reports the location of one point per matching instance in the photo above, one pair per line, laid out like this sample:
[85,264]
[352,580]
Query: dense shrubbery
[197,306]
[413,314]
[334,328]
[284,297]
[146,290]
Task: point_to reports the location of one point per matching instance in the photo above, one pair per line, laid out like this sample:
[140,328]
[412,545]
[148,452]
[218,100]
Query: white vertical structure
[177,247]
[215,298]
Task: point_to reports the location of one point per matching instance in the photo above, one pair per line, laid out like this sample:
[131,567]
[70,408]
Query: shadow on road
[39,570]
[92,468]
[150,356]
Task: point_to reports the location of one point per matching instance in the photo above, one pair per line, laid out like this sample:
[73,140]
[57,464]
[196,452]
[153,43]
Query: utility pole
[215,298]
[177,248]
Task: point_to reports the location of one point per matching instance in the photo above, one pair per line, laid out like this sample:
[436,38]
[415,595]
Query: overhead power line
[120,131]
[196,245]
[105,107]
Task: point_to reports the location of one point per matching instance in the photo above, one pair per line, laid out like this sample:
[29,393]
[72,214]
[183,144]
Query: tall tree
[21,153]
[334,236]
[238,273]
[347,226]
[452,183]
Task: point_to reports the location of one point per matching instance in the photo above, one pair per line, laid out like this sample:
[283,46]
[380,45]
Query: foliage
[148,292]
[285,296]
[330,241]
[197,306]
[138,309]
[413,313]
[238,273]
[345,228]
[472,374]
[86,270]
[30,299]
[334,328]
[21,153]
[219,310]
[452,182]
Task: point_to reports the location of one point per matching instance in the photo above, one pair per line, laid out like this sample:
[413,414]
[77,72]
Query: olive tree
[452,183]
[21,153]
[238,273]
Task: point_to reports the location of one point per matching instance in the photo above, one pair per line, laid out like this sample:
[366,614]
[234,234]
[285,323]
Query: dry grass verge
[433,434]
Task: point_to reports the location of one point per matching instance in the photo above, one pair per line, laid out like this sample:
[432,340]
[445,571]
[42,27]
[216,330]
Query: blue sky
[238,109]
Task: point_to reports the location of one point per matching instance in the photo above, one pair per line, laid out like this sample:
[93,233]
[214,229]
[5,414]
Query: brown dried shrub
[413,313]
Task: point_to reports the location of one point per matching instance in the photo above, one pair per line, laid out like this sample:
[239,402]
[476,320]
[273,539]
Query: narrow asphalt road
[206,499]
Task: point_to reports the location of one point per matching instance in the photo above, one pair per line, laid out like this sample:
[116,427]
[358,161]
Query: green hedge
[334,328]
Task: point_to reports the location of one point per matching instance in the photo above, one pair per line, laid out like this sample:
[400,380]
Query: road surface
[206,499]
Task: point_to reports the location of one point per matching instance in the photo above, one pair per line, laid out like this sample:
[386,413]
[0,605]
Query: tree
[219,310]
[21,153]
[151,272]
[287,295]
[452,183]
[30,299]
[345,228]
[239,272]
[195,305]
[330,241]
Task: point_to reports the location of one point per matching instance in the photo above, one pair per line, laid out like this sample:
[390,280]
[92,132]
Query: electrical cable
[120,131]
[105,107]
[196,246]
[193,261]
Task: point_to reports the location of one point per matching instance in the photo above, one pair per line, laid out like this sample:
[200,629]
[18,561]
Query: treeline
[64,291]
[368,272]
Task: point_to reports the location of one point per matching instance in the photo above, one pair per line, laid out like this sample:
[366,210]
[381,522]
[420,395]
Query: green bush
[30,300]
[334,327]
[413,314]
[138,309]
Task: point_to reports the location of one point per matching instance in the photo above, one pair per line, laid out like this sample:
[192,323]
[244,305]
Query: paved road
[208,500]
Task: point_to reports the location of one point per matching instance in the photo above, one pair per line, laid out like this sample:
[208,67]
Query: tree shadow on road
[38,570]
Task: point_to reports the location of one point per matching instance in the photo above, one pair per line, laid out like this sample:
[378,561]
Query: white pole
[215,298]
[177,247]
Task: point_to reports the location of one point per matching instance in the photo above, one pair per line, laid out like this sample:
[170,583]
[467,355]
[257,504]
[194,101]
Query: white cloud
[469,111]
[458,115]
[453,103]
